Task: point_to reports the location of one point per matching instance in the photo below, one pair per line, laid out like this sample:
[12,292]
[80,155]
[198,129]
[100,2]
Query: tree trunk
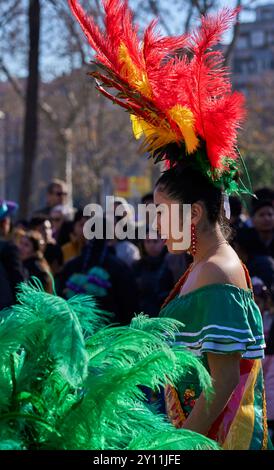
[2,156]
[31,108]
[68,164]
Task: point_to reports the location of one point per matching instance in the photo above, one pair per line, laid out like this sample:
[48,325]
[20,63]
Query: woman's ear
[197,211]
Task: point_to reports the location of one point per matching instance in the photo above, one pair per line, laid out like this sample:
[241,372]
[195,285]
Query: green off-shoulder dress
[223,319]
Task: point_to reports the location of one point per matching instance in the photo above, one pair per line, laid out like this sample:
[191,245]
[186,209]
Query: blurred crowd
[127,276]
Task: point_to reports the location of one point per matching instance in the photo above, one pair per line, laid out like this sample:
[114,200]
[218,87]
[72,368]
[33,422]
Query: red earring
[193,246]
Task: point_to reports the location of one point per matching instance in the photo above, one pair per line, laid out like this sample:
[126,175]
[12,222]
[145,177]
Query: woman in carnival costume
[179,95]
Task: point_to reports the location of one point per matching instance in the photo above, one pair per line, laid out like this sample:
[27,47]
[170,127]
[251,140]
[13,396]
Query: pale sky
[53,65]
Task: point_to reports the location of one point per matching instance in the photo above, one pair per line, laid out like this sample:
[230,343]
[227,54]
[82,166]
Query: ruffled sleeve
[219,318]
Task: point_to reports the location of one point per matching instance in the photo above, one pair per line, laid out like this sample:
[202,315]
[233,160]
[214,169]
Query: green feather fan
[70,381]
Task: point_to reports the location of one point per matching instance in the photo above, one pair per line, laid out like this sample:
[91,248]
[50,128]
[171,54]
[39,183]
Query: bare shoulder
[211,272]
[222,270]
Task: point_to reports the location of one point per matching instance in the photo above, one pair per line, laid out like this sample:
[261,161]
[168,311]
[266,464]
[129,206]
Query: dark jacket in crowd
[34,267]
[121,297]
[155,281]
[43,211]
[11,273]
[251,242]
[262,267]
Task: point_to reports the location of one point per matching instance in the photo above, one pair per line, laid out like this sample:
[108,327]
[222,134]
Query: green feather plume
[69,381]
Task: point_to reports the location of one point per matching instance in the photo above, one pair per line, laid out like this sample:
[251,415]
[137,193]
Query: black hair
[37,220]
[54,253]
[23,222]
[96,251]
[264,193]
[56,182]
[147,197]
[188,185]
[260,204]
[79,216]
[235,206]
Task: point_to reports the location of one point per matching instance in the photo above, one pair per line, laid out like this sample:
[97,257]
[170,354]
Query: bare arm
[225,372]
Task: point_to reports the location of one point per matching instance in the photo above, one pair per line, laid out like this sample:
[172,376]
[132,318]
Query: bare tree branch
[236,30]
[9,13]
[72,28]
[12,80]
[188,18]
[155,10]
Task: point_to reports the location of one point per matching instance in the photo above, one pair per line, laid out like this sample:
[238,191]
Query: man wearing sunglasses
[56,196]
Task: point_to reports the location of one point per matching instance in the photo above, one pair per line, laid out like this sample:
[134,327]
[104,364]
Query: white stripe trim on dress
[217,327]
[250,354]
[225,347]
[260,346]
[259,354]
[238,340]
[208,344]
[248,348]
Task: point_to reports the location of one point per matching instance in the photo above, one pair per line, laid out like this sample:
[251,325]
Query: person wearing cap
[11,270]
[7,209]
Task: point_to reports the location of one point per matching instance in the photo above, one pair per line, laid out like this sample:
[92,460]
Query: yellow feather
[161,134]
[155,136]
[137,127]
[184,119]
[136,77]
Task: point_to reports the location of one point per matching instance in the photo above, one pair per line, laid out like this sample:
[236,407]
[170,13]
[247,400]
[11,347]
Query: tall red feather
[218,112]
[197,81]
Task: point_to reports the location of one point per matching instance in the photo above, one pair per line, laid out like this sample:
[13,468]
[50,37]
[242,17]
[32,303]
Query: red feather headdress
[177,89]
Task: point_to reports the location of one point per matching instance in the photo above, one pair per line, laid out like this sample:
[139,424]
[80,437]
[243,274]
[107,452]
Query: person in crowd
[7,209]
[11,269]
[51,250]
[124,249]
[264,299]
[31,249]
[17,234]
[60,217]
[237,218]
[22,224]
[42,224]
[77,239]
[154,278]
[98,272]
[262,194]
[54,257]
[178,264]
[259,239]
[262,267]
[56,195]
[11,273]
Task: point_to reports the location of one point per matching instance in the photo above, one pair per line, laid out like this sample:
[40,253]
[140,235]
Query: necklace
[207,252]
